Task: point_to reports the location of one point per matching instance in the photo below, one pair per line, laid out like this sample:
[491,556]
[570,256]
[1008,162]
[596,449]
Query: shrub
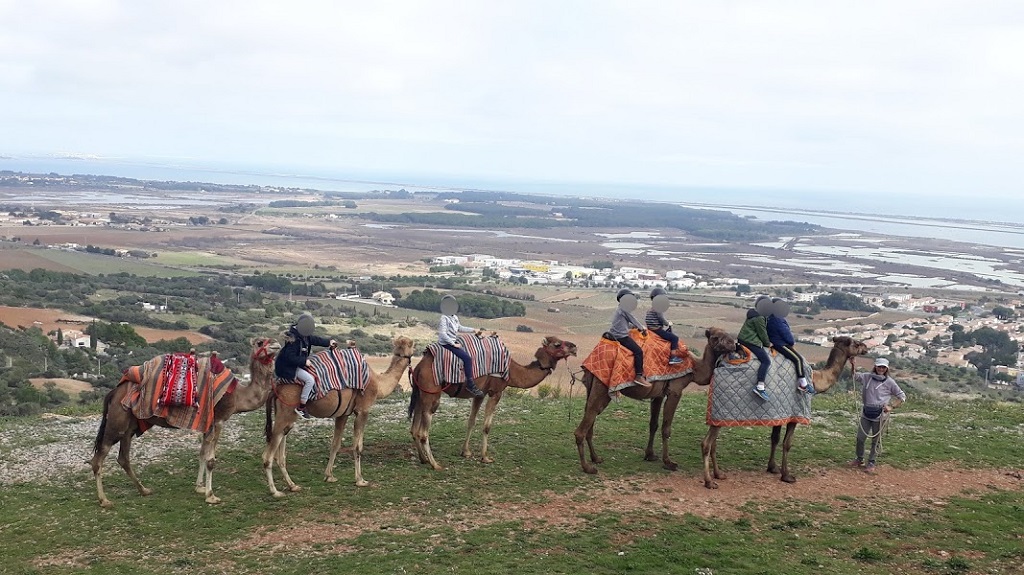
[524,328]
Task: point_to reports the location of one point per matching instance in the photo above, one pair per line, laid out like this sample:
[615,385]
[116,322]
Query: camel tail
[103,422]
[413,399]
[268,428]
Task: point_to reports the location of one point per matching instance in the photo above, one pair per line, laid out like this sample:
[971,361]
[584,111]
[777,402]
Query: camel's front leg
[707,448]
[357,447]
[492,406]
[653,428]
[786,444]
[124,459]
[597,400]
[671,404]
[336,441]
[473,410]
[207,456]
[776,434]
[201,476]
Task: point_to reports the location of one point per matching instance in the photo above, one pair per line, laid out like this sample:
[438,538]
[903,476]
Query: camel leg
[124,459]
[707,449]
[671,404]
[416,430]
[428,415]
[786,444]
[652,429]
[336,441]
[207,453]
[492,406]
[597,400]
[776,434]
[282,462]
[473,410]
[357,447]
[275,450]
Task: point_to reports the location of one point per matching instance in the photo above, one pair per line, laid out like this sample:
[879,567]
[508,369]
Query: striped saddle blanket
[178,380]
[731,399]
[612,363]
[143,398]
[489,355]
[334,369]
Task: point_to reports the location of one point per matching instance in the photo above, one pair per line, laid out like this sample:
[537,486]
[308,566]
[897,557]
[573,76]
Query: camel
[844,349]
[423,404]
[669,391]
[118,425]
[337,406]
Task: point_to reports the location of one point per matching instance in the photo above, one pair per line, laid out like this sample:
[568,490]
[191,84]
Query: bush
[546,390]
[524,328]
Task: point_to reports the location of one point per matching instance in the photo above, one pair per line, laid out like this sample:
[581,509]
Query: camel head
[264,351]
[555,348]
[403,347]
[852,347]
[719,342]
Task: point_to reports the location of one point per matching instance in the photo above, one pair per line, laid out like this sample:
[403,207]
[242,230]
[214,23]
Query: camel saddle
[489,355]
[177,384]
[147,380]
[333,370]
[731,400]
[612,364]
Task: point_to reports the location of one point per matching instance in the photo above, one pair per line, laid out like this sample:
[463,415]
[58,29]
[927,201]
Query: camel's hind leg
[786,444]
[430,405]
[276,451]
[124,458]
[474,409]
[336,441]
[597,400]
[652,428]
[708,449]
[357,446]
[416,430]
[492,406]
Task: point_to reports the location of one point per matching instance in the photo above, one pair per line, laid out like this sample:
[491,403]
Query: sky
[910,98]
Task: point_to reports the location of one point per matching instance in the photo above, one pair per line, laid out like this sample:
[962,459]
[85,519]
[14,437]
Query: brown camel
[844,349]
[669,391]
[118,425]
[254,396]
[338,406]
[423,405]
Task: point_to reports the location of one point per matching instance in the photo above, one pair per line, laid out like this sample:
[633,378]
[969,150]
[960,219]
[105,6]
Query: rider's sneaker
[675,360]
[641,381]
[763,394]
[302,413]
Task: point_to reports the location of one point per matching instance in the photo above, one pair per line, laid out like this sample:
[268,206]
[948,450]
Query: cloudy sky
[905,97]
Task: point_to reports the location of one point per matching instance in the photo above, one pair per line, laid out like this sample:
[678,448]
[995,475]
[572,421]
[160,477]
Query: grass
[530,511]
[93,264]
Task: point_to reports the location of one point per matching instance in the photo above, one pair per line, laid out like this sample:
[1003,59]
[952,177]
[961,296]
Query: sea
[995,222]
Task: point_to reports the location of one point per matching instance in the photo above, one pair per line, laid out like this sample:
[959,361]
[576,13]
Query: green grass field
[99,264]
[534,511]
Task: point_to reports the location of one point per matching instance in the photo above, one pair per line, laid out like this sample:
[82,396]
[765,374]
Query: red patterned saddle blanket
[178,380]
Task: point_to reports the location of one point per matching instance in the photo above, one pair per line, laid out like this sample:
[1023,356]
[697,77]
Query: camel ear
[707,333]
[544,342]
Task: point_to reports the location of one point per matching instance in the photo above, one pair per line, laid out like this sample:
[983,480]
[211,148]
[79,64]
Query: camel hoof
[437,468]
[331,479]
[213,499]
[362,483]
[772,469]
[590,469]
[650,457]
[488,460]
[145,491]
[467,454]
[106,504]
[710,485]
[670,465]
[720,475]
[201,489]
[597,460]
[277,494]
[295,488]
[788,479]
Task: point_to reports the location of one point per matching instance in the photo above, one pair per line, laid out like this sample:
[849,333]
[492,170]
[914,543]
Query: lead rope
[883,426]
[572,383]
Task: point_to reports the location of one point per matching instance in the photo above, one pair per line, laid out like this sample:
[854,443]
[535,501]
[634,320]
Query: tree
[1004,313]
[569,277]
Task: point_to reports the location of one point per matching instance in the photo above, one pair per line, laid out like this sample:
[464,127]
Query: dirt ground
[51,319]
[73,387]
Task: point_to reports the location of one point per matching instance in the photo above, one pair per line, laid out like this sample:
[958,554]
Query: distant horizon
[327,180]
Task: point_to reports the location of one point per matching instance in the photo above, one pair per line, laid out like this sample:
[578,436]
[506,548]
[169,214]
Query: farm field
[51,319]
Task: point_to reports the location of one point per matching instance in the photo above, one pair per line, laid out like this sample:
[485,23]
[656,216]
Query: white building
[383,298]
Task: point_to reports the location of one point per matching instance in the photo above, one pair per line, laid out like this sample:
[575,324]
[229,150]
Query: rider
[754,336]
[657,323]
[448,329]
[782,340]
[621,320]
[292,361]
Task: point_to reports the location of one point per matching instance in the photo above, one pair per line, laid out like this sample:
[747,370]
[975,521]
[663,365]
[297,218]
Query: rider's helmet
[657,292]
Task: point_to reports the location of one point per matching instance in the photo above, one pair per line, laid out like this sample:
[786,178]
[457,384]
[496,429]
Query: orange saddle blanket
[612,363]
